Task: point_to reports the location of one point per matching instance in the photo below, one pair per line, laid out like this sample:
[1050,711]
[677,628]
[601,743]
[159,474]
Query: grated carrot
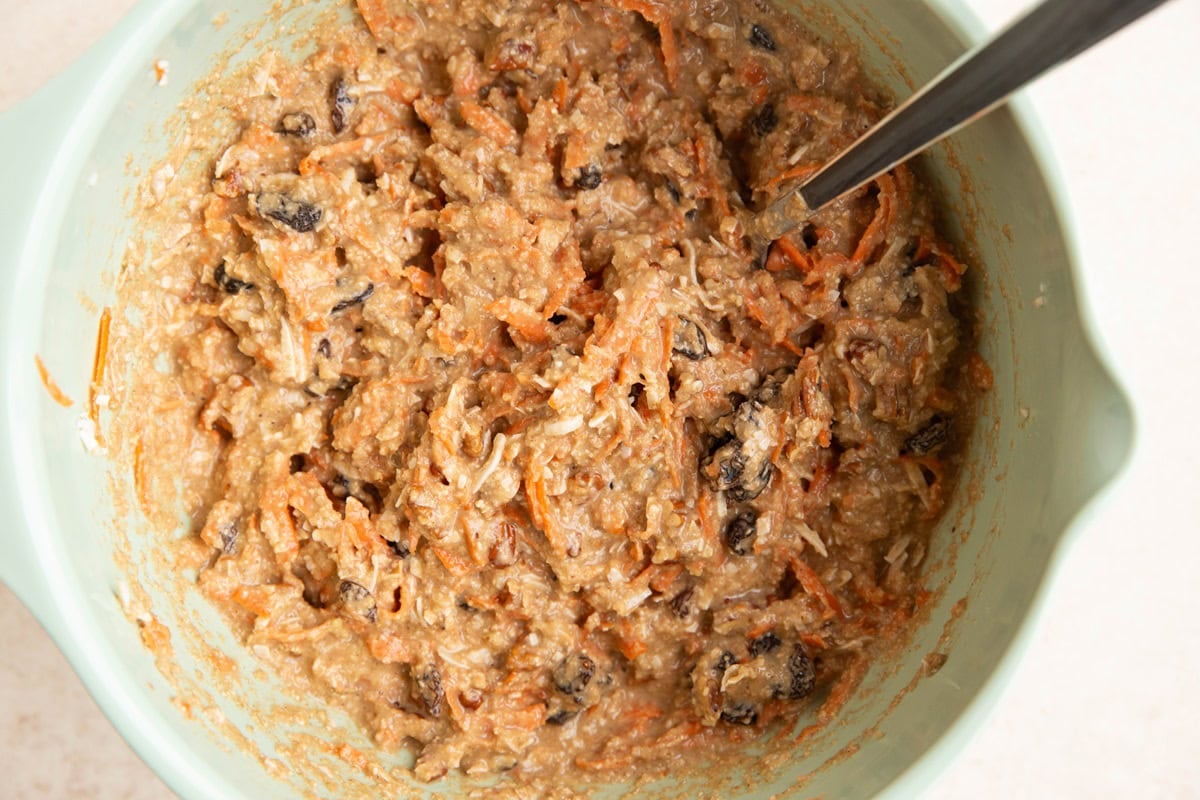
[813,584]
[56,394]
[798,172]
[488,123]
[522,318]
[455,563]
[877,231]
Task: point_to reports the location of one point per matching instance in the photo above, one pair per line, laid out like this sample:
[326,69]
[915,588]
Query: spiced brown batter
[502,437]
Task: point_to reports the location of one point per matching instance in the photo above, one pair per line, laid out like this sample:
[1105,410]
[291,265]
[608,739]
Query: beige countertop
[1106,701]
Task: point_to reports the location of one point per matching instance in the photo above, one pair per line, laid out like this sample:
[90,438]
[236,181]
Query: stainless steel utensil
[1053,32]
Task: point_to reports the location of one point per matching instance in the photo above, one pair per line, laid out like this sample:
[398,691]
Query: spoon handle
[1053,32]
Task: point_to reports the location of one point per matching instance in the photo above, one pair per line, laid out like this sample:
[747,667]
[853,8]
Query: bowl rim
[91,87]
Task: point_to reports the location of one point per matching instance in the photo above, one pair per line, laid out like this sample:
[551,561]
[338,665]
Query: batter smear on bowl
[504,437]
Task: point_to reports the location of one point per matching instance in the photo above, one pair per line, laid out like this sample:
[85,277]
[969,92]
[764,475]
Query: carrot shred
[560,95]
[56,393]
[706,166]
[657,15]
[877,231]
[488,123]
[813,584]
[456,564]
[539,508]
[99,364]
[670,51]
[521,318]
[663,575]
[375,14]
[798,172]
[788,248]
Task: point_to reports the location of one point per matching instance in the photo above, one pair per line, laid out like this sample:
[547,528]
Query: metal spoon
[1050,34]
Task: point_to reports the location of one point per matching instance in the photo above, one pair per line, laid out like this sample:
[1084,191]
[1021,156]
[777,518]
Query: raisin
[357,599]
[297,463]
[751,487]
[681,604]
[561,717]
[931,438]
[690,341]
[298,124]
[429,690]
[764,644]
[399,549]
[573,675]
[340,103]
[765,121]
[325,348]
[357,299]
[723,663]
[296,214]
[739,714]
[229,538]
[229,284]
[673,190]
[589,178]
[739,533]
[761,38]
[732,466]
[802,672]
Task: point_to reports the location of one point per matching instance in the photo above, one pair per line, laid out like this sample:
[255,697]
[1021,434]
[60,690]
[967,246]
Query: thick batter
[501,436]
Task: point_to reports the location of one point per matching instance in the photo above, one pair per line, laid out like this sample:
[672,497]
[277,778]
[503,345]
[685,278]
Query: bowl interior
[1054,430]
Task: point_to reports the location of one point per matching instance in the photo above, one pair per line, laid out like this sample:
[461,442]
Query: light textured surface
[1082,718]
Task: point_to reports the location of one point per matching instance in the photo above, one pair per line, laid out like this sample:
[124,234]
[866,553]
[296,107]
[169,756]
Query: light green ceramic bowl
[1056,432]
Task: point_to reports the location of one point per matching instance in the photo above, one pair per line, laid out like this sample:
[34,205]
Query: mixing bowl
[1055,430]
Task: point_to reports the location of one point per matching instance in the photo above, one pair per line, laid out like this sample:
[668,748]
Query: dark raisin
[296,214]
[429,690]
[325,348]
[229,284]
[691,214]
[589,178]
[690,341]
[561,717]
[681,604]
[673,190]
[739,714]
[751,487]
[298,124]
[739,533]
[802,673]
[765,121]
[573,675]
[340,103]
[931,438]
[729,466]
[350,591]
[723,663]
[761,38]
[357,599]
[297,463]
[399,549]
[229,538]
[357,299]
[764,644]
